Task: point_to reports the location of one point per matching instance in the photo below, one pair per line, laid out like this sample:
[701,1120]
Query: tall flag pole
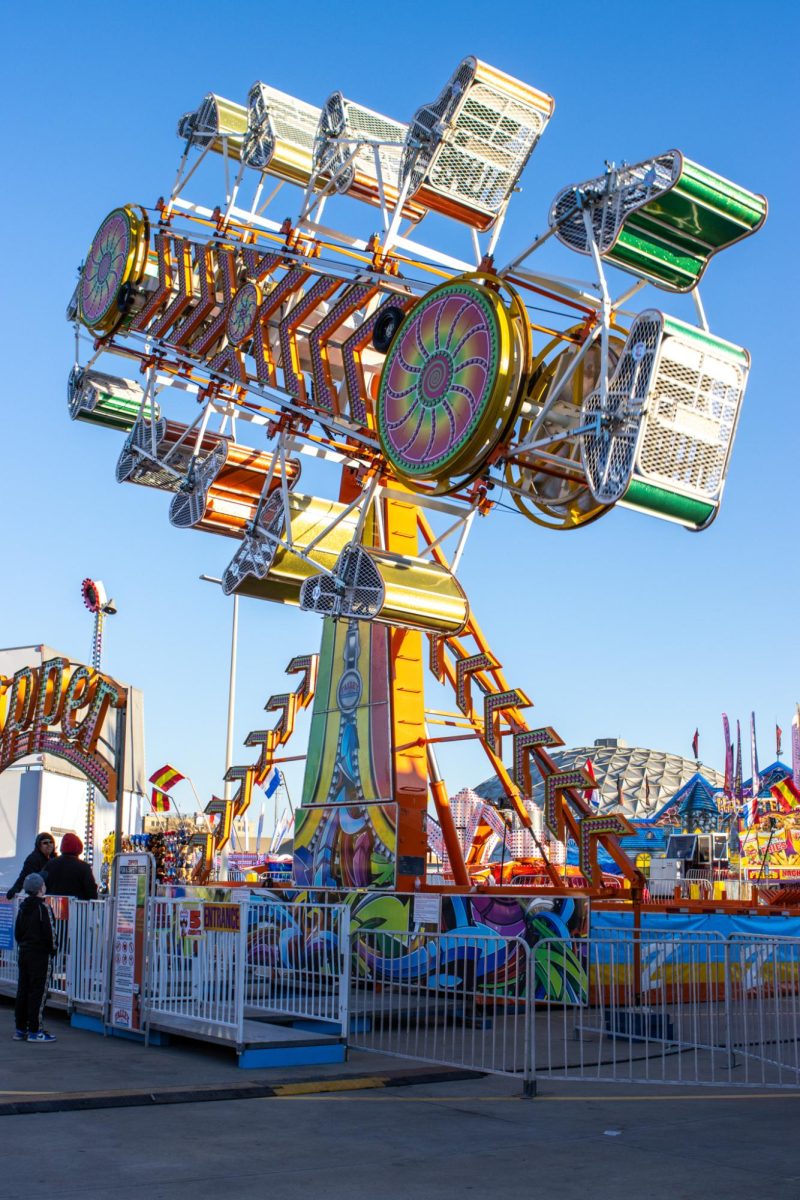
[728,756]
[754,756]
[796,747]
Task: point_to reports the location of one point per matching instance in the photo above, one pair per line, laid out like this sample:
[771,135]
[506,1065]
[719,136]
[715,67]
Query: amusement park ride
[433,388]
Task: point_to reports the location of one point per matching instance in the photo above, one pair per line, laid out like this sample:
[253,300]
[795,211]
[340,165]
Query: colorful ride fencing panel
[303,935]
[345,846]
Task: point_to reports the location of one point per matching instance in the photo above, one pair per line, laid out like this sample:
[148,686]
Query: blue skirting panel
[292,1056]
[79,1020]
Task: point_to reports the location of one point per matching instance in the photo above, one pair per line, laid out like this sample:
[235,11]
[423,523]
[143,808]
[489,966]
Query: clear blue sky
[632,627]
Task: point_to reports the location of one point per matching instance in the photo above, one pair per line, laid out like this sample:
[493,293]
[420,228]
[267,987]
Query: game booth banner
[688,955]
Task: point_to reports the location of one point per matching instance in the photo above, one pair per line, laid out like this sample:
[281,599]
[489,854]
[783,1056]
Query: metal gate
[297,961]
[195,969]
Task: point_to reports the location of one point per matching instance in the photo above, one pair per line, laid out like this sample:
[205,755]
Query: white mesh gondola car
[466,150]
[281,131]
[667,427]
[215,123]
[348,138]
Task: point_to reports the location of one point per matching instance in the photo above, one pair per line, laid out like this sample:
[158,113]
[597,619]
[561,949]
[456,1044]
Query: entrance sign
[59,708]
[222,918]
[133,877]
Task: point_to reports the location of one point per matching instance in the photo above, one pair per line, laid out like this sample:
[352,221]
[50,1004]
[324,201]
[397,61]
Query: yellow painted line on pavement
[334,1085]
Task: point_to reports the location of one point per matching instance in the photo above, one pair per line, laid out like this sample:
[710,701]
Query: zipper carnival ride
[433,389]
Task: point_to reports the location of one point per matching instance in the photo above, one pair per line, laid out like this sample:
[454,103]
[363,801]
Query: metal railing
[77,970]
[297,961]
[676,1008]
[195,971]
[87,954]
[461,999]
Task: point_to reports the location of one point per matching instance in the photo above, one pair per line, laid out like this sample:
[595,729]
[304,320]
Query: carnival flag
[272,782]
[778,741]
[737,778]
[166,777]
[159,802]
[728,755]
[756,788]
[696,744]
[787,794]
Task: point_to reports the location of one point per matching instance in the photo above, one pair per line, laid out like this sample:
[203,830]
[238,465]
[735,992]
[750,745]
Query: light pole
[231,699]
[95,598]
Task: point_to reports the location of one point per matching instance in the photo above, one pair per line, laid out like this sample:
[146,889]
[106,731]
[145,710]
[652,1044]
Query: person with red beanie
[69,875]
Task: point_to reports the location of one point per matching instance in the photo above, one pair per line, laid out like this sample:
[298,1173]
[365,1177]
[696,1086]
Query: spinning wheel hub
[436,379]
[115,260]
[449,385]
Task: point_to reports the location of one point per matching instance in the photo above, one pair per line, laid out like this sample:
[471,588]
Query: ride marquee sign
[60,708]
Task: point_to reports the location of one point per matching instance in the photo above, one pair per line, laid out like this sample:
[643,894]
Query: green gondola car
[662,219]
[106,400]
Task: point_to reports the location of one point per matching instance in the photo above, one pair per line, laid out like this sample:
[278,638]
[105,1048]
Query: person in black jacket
[35,936]
[69,875]
[43,853]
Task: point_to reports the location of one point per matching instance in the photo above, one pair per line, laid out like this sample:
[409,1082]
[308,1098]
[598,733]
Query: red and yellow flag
[166,777]
[787,795]
[159,802]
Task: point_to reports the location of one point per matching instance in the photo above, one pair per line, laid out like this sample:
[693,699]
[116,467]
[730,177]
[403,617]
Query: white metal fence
[77,971]
[460,999]
[195,968]
[658,1008]
[297,961]
[87,954]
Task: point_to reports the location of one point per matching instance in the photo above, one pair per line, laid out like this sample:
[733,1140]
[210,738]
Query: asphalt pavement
[366,1129]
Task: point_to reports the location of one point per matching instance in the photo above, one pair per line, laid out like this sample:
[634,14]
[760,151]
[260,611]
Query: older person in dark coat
[43,853]
[69,875]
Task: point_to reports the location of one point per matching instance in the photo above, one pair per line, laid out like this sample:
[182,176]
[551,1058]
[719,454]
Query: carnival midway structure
[230,344]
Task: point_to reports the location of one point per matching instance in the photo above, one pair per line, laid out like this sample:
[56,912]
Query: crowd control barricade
[763,986]
[460,999]
[87,952]
[297,961]
[195,971]
[663,1007]
[77,970]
